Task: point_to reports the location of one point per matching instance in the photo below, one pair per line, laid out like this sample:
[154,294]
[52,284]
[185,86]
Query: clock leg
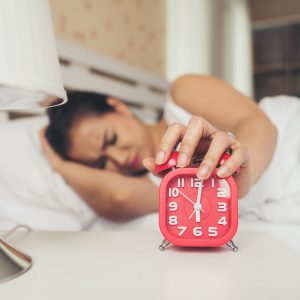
[232,246]
[165,243]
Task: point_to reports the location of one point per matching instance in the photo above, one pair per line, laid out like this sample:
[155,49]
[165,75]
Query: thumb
[149,164]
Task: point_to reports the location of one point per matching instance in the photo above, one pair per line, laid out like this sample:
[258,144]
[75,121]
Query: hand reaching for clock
[202,138]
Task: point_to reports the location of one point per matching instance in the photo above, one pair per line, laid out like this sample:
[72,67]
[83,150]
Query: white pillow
[30,192]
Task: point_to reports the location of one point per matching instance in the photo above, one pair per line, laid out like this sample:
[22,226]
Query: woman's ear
[119,106]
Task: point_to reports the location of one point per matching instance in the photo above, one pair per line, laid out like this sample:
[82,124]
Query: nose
[117,155]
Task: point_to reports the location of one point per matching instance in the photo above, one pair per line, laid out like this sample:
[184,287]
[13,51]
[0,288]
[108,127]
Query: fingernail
[222,171]
[203,172]
[160,157]
[146,161]
[182,160]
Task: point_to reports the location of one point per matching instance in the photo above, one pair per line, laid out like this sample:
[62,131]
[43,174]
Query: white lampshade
[29,68]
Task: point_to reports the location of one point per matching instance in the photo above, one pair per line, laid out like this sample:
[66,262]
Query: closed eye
[101,163]
[114,140]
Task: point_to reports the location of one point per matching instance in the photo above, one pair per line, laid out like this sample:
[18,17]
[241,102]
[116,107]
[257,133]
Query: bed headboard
[84,69]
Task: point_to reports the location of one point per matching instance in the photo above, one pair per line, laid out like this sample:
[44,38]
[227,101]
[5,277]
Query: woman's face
[114,141]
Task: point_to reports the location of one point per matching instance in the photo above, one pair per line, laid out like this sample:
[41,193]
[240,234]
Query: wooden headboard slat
[86,57]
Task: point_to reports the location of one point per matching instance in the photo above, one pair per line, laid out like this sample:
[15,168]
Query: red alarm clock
[194,212]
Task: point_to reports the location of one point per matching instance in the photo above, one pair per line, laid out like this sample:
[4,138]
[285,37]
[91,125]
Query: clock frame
[176,219]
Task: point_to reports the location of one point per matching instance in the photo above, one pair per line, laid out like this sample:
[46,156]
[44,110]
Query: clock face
[197,213]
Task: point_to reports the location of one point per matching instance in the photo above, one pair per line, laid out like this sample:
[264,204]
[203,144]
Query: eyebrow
[102,147]
[104,140]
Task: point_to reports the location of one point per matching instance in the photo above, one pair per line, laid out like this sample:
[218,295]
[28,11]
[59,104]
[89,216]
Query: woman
[99,147]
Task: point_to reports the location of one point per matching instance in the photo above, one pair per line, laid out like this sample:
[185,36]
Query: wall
[129,30]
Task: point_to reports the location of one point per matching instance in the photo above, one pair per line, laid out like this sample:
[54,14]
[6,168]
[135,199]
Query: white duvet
[276,196]
[31,193]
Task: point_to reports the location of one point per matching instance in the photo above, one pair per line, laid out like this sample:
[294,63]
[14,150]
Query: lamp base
[12,261]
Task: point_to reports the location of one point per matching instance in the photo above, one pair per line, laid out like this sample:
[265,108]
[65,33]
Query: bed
[31,193]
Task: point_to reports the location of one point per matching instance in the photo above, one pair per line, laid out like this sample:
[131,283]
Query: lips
[135,161]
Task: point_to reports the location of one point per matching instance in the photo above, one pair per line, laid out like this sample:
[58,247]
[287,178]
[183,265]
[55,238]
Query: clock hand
[185,196]
[198,204]
[199,192]
[192,214]
[198,219]
[180,192]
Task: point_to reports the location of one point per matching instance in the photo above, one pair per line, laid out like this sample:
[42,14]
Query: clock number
[173,192]
[221,192]
[222,206]
[180,182]
[173,206]
[196,182]
[222,221]
[197,231]
[182,230]
[173,220]
[212,231]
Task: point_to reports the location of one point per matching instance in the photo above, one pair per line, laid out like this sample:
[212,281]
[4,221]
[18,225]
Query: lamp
[13,262]
[29,78]
[29,68]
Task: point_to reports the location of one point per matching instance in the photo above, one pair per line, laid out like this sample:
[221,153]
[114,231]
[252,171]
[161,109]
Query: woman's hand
[202,138]
[54,159]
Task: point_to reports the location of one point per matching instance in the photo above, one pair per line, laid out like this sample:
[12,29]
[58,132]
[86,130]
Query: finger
[197,128]
[44,142]
[46,147]
[42,139]
[220,142]
[238,158]
[169,140]
[149,164]
[43,131]
[42,135]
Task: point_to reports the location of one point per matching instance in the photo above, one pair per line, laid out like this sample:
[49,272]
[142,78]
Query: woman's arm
[229,110]
[109,194]
[218,109]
